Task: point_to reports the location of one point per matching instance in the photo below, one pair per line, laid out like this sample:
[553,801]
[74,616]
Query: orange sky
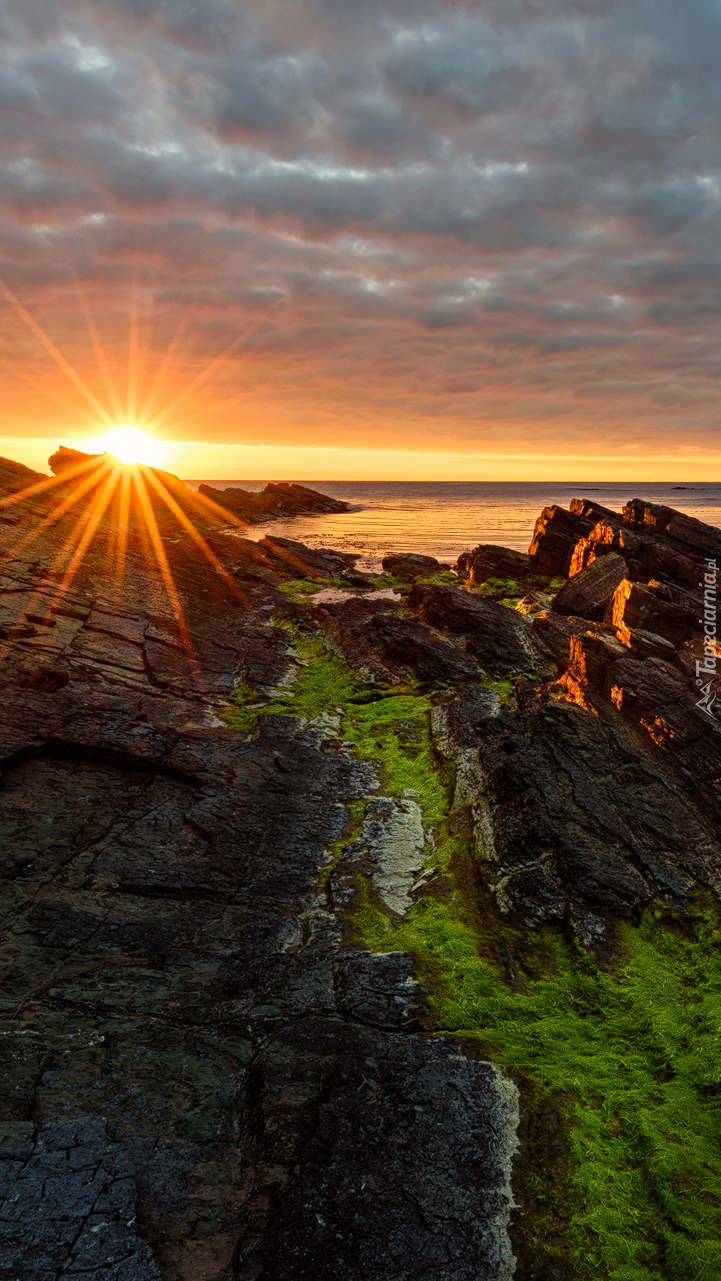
[394,239]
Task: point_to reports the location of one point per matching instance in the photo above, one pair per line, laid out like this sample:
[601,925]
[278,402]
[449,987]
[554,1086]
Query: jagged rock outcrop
[588,593]
[554,539]
[490,561]
[277,499]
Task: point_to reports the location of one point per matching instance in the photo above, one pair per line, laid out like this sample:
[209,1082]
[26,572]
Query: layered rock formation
[257,852]
[277,499]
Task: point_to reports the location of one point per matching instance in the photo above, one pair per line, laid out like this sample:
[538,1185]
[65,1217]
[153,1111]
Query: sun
[130,444]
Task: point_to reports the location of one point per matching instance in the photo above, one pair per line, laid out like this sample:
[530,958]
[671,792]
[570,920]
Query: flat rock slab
[67,1205]
[404,1158]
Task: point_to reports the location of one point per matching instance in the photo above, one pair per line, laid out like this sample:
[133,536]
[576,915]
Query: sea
[444,518]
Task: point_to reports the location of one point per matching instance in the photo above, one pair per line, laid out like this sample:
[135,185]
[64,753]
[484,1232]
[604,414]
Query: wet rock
[498,638]
[587,594]
[410,566]
[361,1200]
[378,988]
[295,560]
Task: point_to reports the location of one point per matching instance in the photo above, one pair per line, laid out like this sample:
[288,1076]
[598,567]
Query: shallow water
[444,518]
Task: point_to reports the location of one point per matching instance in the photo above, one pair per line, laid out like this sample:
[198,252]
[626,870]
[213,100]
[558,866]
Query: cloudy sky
[486,233]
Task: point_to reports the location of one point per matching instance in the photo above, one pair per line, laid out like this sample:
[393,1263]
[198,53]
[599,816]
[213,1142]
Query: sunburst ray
[151,524]
[60,360]
[99,352]
[57,513]
[40,486]
[195,534]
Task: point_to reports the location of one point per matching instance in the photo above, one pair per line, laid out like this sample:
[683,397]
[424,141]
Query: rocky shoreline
[370,938]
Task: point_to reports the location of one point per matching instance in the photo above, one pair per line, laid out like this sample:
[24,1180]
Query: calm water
[444,518]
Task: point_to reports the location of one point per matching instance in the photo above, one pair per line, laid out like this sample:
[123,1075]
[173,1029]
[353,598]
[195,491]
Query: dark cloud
[482,214]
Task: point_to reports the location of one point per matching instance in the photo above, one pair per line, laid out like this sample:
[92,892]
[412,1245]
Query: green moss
[638,1050]
[395,731]
[444,578]
[301,588]
[239,716]
[499,587]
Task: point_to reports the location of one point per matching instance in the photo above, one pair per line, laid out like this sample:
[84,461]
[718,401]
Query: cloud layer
[484,227]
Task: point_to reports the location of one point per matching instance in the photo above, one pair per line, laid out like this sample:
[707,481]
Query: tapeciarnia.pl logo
[710,654]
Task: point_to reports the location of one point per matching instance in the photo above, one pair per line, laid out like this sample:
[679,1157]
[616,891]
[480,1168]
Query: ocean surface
[444,518]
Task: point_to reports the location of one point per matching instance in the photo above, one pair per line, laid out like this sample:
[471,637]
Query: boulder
[489,561]
[498,638]
[554,538]
[408,566]
[587,594]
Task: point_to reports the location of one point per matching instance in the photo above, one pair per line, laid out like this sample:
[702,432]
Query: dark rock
[635,606]
[382,641]
[587,594]
[67,1204]
[378,988]
[64,458]
[498,638]
[298,561]
[591,510]
[489,561]
[369,1184]
[554,538]
[649,515]
[409,566]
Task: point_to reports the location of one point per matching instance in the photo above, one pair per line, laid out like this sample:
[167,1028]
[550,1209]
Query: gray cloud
[518,186]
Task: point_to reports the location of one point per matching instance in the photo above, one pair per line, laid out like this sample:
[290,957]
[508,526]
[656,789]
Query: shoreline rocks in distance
[277,500]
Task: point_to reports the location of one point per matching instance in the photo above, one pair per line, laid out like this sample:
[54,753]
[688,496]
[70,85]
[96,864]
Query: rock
[498,638]
[385,643]
[591,510]
[67,1204]
[634,606]
[535,602]
[395,840]
[489,561]
[295,560]
[276,500]
[15,476]
[587,594]
[381,1189]
[180,962]
[409,566]
[378,989]
[64,458]
[554,538]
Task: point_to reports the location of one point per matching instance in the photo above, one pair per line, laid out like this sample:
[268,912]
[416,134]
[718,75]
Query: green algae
[300,589]
[636,1053]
